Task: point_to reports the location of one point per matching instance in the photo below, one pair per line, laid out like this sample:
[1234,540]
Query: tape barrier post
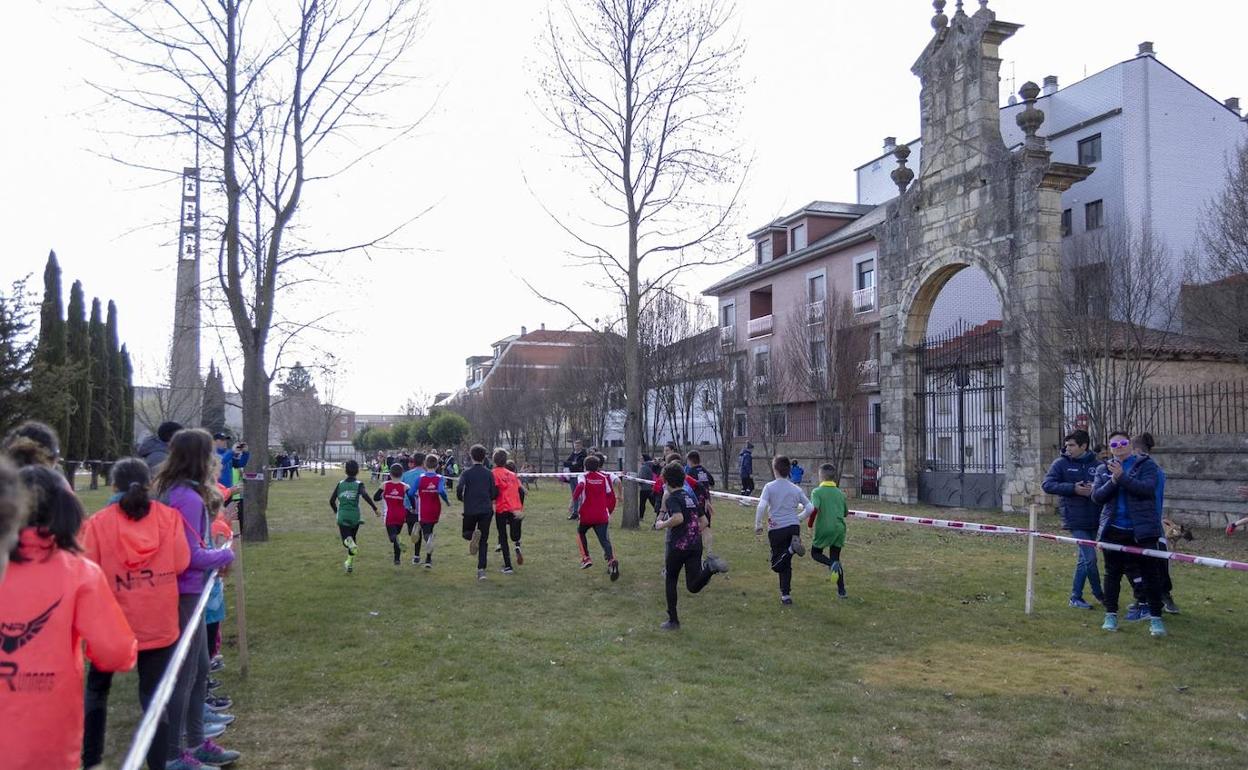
[240,605]
[136,757]
[1030,596]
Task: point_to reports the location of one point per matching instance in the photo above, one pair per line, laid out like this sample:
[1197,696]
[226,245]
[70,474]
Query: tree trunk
[634,392]
[256,433]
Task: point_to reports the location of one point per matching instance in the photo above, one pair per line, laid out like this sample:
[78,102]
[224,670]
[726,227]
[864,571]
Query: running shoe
[613,569]
[1111,622]
[428,564]
[1156,627]
[1136,612]
[212,754]
[186,761]
[519,557]
[217,717]
[670,625]
[397,562]
[586,563]
[837,568]
[840,593]
[508,571]
[349,542]
[347,564]
[474,544]
[498,548]
[218,703]
[213,683]
[218,663]
[416,559]
[213,730]
[796,547]
[1078,603]
[716,564]
[1168,605]
[786,600]
[480,574]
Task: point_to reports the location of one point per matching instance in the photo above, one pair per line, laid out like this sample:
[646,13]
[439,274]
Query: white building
[1159,144]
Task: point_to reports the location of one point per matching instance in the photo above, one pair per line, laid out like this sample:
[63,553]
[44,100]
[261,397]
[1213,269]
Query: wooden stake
[240,604]
[1029,600]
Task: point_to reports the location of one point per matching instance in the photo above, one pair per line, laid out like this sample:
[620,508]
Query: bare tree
[1215,305]
[269,94]
[644,91]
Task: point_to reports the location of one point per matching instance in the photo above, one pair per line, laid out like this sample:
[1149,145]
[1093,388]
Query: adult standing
[575,465]
[231,458]
[294,465]
[746,469]
[1070,478]
[1126,488]
[155,449]
[645,471]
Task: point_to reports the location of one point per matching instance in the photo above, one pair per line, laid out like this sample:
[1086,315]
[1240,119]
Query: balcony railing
[759,327]
[728,336]
[869,371]
[864,300]
[814,312]
[761,384]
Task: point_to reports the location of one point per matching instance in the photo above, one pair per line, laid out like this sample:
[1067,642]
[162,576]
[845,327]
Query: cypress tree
[17,352]
[120,444]
[79,359]
[214,400]
[99,444]
[127,412]
[48,378]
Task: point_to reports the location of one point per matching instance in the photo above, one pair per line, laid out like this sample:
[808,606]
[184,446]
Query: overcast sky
[826,81]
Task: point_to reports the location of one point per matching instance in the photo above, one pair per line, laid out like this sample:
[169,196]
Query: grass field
[930,662]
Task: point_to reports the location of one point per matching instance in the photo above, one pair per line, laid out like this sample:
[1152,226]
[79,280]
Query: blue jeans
[1085,567]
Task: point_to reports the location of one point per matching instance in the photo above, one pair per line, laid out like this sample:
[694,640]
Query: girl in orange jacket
[52,600]
[140,545]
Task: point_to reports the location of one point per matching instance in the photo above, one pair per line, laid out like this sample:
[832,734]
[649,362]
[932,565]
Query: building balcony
[814,312]
[760,327]
[728,336]
[864,300]
[761,384]
[869,372]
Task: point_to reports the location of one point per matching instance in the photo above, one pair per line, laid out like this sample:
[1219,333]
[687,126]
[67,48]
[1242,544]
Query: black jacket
[476,489]
[1078,512]
[576,461]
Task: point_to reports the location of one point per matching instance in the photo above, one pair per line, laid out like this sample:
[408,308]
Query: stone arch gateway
[973,202]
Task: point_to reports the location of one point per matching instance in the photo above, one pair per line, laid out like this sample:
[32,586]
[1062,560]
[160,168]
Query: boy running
[345,502]
[394,491]
[828,521]
[508,508]
[786,506]
[477,491]
[703,482]
[411,502]
[595,499]
[678,515]
[431,492]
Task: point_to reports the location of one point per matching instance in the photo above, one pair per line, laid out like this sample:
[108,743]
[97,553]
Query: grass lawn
[930,662]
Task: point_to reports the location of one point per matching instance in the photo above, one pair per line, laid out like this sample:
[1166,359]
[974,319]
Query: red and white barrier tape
[1205,561]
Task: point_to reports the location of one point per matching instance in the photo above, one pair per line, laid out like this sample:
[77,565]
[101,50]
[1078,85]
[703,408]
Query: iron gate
[959,400]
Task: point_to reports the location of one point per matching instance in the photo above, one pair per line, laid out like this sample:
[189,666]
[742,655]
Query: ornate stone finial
[1030,118]
[940,20]
[983,4]
[902,176]
[958,9]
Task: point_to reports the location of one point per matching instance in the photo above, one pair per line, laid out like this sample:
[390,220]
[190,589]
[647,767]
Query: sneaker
[1078,603]
[217,718]
[786,600]
[210,753]
[347,564]
[349,542]
[217,664]
[1156,627]
[416,560]
[508,571]
[213,730]
[837,568]
[1136,612]
[218,704]
[213,683]
[670,625]
[796,547]
[498,548]
[397,562]
[1111,622]
[716,564]
[519,557]
[428,565]
[613,569]
[1168,605]
[185,761]
[840,593]
[573,516]
[586,563]
[480,574]
[475,543]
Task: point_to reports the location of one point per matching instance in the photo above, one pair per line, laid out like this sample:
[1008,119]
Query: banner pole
[1029,599]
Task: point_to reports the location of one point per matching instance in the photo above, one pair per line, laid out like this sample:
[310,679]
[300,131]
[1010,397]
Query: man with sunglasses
[1126,487]
[1070,479]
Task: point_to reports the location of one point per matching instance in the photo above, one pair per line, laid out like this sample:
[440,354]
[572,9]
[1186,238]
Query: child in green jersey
[828,521]
[345,500]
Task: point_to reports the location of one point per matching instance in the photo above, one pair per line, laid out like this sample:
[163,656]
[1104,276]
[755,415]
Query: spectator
[746,469]
[1070,478]
[796,473]
[155,449]
[575,465]
[230,458]
[33,443]
[645,471]
[14,507]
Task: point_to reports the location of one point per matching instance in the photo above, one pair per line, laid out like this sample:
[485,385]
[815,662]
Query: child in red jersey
[431,493]
[596,497]
[508,508]
[394,491]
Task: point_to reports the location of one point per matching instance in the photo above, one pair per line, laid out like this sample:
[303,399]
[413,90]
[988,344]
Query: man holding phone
[1070,480]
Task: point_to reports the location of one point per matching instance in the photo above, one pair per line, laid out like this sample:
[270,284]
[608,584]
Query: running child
[786,506]
[678,515]
[394,491]
[411,502]
[828,521]
[703,483]
[431,494]
[508,508]
[477,491]
[595,499]
[345,502]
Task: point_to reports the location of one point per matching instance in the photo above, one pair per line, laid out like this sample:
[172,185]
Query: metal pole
[240,603]
[1029,599]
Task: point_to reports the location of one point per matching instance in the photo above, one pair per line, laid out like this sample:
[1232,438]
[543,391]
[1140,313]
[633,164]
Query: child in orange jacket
[52,600]
[140,546]
[508,508]
[596,496]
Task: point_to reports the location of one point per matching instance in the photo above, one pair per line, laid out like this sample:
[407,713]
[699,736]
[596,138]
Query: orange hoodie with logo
[141,561]
[508,484]
[50,604]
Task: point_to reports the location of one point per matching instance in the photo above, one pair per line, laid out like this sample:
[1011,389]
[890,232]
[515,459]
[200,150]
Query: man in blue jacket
[747,469]
[230,458]
[1070,480]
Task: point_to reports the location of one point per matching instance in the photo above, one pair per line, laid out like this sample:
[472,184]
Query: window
[797,237]
[342,434]
[728,314]
[740,424]
[1066,223]
[1094,215]
[1092,288]
[866,274]
[762,360]
[877,417]
[816,288]
[764,250]
[1090,150]
[818,355]
[779,419]
[830,420]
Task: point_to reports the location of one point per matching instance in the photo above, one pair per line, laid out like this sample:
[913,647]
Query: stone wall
[1202,477]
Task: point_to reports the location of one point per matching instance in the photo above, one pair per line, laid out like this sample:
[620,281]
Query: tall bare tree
[271,92]
[644,92]
[1215,305]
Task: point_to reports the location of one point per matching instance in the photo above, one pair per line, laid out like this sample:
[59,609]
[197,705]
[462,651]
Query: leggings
[644,495]
[151,668]
[1117,563]
[186,707]
[393,531]
[780,540]
[481,523]
[214,641]
[426,537]
[348,531]
[603,539]
[834,556]
[411,521]
[697,575]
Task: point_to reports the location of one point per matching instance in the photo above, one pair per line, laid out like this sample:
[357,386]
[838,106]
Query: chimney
[890,144]
[1146,49]
[1050,85]
[1232,104]
[543,326]
[523,331]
